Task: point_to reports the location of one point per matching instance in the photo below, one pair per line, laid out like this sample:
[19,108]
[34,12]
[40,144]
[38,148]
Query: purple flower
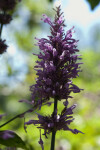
[7,134]
[6,5]
[1,116]
[41,141]
[58,63]
[3,46]
[57,122]
[5,18]
[56,67]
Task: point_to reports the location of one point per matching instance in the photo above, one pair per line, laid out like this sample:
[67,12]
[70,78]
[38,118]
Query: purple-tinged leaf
[11,139]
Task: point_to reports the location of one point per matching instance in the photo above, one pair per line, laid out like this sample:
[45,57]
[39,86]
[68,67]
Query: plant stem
[1,27]
[20,115]
[54,132]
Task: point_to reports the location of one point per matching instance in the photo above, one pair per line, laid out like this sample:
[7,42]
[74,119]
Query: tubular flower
[57,122]
[57,64]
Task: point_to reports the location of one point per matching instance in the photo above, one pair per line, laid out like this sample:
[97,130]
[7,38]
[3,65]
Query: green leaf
[50,0]
[11,139]
[94,3]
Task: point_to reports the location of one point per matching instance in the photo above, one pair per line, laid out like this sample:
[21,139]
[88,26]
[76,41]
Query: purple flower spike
[56,67]
[57,122]
[58,63]
[46,19]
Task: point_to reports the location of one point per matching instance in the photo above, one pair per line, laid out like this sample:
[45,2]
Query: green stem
[54,132]
[20,115]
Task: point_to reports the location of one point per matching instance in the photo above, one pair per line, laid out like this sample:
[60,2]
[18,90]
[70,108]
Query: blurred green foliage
[87,114]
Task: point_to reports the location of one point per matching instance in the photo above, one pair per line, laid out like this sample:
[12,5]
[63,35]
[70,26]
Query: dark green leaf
[50,0]
[94,3]
[11,139]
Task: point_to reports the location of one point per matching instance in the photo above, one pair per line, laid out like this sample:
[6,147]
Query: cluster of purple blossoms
[5,18]
[57,64]
[56,67]
[57,122]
